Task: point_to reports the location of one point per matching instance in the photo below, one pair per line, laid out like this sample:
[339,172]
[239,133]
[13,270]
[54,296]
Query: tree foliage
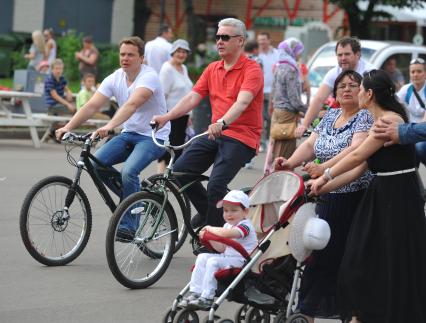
[360,20]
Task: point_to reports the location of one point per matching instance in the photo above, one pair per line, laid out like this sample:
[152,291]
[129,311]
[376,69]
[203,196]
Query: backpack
[410,93]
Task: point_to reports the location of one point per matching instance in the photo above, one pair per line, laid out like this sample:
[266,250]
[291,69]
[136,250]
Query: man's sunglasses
[225,37]
[417,60]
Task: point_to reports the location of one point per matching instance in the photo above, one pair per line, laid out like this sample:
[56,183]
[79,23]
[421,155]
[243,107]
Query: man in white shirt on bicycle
[138,92]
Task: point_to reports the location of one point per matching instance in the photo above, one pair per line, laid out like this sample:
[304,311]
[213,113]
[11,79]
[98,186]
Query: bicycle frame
[84,162]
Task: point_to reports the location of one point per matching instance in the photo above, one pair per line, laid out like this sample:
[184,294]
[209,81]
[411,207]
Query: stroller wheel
[168,318]
[186,316]
[255,315]
[296,318]
[240,315]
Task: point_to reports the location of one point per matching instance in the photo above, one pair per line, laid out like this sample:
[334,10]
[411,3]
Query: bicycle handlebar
[70,137]
[154,126]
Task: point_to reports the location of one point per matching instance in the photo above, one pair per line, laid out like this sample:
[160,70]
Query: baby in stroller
[203,282]
[265,277]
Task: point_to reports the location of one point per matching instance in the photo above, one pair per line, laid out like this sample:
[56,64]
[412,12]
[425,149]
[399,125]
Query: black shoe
[125,235]
[198,248]
[198,221]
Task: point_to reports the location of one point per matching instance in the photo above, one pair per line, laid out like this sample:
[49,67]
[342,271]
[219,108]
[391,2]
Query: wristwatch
[327,174]
[222,122]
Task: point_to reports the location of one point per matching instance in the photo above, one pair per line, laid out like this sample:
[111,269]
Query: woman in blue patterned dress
[339,132]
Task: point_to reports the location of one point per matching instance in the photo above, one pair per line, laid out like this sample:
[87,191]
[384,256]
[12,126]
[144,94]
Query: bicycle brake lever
[68,136]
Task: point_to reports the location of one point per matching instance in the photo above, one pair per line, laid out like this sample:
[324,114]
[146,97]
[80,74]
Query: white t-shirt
[269,59]
[415,110]
[248,239]
[332,74]
[157,52]
[116,85]
[175,84]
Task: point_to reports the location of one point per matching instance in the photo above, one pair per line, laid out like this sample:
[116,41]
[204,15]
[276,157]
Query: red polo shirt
[223,87]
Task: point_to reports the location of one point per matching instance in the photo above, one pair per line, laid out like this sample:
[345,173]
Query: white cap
[235,197]
[179,43]
[316,234]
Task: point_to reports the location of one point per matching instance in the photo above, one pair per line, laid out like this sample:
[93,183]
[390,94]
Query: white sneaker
[189,298]
[201,303]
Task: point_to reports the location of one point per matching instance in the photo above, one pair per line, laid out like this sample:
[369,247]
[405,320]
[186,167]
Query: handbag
[283,131]
[283,125]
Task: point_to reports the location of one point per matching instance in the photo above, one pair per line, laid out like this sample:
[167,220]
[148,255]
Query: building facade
[110,20]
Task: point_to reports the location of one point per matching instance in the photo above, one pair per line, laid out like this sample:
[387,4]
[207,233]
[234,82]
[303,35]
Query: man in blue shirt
[56,92]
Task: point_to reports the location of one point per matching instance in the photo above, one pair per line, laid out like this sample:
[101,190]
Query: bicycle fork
[72,191]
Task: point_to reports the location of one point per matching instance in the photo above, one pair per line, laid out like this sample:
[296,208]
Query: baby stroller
[267,283]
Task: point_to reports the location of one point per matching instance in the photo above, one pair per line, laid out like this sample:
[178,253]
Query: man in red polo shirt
[235,87]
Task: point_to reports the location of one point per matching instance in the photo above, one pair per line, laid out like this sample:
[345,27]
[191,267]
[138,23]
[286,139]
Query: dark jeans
[176,137]
[227,155]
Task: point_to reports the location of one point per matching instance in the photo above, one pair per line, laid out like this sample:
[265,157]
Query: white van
[375,52]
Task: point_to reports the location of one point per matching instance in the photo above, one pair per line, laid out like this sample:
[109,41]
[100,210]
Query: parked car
[375,52]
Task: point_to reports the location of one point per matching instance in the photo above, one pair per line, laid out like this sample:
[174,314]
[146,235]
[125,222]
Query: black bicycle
[56,219]
[139,259]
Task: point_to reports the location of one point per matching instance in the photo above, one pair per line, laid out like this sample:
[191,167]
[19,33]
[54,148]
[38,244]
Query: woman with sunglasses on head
[339,132]
[382,277]
[413,95]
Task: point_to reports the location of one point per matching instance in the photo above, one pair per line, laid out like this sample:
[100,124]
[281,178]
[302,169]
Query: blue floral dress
[319,283]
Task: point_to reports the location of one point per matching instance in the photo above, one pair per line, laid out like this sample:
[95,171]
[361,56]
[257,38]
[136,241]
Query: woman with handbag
[286,102]
[340,131]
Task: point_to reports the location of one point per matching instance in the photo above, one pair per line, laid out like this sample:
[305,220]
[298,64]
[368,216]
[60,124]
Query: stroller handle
[208,236]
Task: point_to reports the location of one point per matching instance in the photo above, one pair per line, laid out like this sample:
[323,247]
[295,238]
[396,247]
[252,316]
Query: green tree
[67,46]
[360,20]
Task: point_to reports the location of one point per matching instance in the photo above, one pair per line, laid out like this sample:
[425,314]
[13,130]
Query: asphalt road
[85,290]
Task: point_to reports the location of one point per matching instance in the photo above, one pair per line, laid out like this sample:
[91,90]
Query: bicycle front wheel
[53,234]
[139,258]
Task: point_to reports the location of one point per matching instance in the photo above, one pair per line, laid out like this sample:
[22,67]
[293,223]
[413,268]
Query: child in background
[203,283]
[87,91]
[57,95]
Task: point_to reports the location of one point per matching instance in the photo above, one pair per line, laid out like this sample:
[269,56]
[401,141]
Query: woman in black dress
[382,278]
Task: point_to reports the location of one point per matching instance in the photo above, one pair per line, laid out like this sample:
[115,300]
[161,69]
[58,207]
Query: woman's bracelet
[327,174]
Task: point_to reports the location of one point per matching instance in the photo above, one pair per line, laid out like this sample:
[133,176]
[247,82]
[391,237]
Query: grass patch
[6,82]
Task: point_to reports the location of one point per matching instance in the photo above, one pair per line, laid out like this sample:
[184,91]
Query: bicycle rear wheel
[179,202]
[53,235]
[139,259]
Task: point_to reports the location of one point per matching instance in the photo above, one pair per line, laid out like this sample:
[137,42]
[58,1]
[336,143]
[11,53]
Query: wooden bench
[10,119]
